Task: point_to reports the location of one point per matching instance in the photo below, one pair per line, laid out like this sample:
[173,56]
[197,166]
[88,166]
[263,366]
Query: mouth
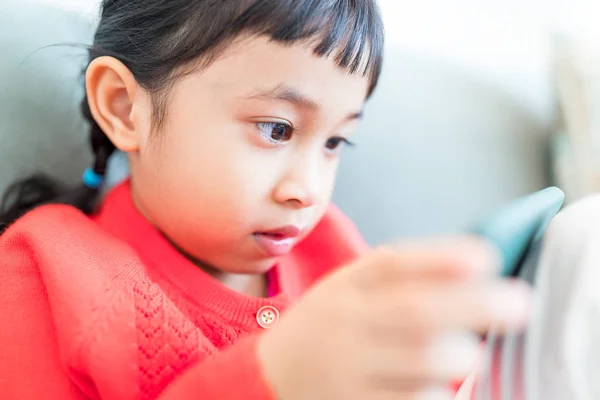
[278,242]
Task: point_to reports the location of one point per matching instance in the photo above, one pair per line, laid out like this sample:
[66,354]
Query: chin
[252,267]
[261,266]
[249,267]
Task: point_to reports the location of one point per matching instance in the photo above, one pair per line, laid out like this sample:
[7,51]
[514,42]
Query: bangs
[349,30]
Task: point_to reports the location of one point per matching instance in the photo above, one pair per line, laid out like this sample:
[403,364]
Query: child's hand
[397,324]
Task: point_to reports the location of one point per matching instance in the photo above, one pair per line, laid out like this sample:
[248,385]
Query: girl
[191,279]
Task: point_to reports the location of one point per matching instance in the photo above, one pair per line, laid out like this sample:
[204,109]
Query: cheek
[327,176]
[329,179]
[208,174]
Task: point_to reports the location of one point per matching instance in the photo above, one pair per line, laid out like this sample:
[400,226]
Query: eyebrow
[296,98]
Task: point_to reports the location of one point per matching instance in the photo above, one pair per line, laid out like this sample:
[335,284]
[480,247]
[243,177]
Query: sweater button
[267,317]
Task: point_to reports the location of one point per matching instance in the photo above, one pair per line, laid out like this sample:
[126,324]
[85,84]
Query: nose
[303,183]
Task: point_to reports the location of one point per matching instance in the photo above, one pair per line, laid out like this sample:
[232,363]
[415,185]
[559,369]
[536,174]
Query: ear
[114,98]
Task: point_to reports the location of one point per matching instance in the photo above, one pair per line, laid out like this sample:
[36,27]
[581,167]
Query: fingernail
[435,394]
[512,303]
[484,256]
[455,355]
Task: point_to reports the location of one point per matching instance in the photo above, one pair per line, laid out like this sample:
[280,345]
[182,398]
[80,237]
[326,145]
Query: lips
[278,242]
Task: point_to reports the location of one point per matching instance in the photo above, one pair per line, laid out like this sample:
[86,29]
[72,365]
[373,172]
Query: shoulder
[69,250]
[61,234]
[45,229]
[64,243]
[55,219]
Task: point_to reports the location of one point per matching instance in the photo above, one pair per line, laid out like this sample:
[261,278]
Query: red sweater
[106,308]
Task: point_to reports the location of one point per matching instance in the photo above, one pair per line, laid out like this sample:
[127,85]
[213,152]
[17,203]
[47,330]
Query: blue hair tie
[91,179]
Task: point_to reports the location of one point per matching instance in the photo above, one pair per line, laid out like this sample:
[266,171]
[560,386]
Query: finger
[502,304]
[449,259]
[431,393]
[447,358]
[419,310]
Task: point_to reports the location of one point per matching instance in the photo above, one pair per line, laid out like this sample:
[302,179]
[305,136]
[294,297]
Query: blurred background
[481,101]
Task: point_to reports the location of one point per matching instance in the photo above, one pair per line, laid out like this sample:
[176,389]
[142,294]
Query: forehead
[252,64]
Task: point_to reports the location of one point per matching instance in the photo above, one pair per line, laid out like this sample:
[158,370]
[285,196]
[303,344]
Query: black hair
[162,40]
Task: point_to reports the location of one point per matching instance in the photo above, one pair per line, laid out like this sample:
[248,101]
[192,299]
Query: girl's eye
[336,143]
[275,131]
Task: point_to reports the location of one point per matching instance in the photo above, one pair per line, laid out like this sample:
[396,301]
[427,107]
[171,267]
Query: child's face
[250,145]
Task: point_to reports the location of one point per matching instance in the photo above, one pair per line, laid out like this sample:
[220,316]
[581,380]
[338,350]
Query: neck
[252,285]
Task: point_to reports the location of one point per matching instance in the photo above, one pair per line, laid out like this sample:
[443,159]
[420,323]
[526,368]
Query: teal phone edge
[516,226]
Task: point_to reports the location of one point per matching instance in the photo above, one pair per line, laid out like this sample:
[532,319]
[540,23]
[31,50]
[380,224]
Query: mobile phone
[518,232]
[517,228]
